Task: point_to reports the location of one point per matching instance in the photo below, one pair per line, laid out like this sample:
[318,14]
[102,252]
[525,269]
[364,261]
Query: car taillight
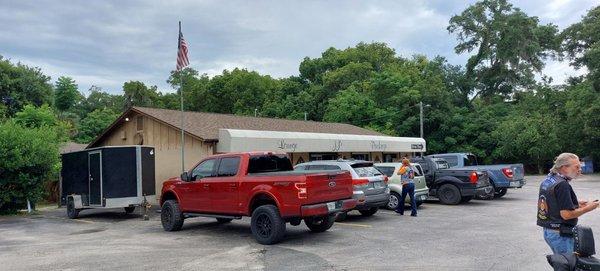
[473,178]
[360,182]
[386,179]
[302,190]
[508,172]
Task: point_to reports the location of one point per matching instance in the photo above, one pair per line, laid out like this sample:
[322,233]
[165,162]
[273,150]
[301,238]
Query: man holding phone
[558,206]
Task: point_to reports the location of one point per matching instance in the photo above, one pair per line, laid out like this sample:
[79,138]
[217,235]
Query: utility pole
[421,121]
[421,117]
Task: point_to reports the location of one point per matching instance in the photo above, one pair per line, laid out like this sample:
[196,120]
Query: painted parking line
[353,225]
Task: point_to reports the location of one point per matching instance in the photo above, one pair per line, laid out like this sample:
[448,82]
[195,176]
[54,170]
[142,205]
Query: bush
[28,158]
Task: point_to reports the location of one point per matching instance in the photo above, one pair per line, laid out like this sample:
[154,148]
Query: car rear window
[366,170]
[269,163]
[388,171]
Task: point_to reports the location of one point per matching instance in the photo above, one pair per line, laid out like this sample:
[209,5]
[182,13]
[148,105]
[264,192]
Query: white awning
[232,140]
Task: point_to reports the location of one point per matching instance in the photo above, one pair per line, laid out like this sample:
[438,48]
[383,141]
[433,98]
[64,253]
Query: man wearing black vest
[558,207]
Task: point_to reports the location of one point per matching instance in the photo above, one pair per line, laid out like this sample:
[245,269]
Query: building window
[322,156]
[140,123]
[361,156]
[390,157]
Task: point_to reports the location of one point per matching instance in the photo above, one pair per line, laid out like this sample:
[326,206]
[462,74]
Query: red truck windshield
[269,163]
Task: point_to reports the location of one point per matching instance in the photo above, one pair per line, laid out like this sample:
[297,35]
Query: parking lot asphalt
[481,235]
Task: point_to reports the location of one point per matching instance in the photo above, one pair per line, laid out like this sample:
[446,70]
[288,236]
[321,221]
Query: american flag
[182,52]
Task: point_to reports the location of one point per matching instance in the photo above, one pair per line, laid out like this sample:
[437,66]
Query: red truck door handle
[206,185]
[232,185]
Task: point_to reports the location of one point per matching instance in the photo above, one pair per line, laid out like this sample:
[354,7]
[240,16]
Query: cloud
[106,43]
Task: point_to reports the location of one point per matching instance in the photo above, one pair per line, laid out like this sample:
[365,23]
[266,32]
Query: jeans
[559,244]
[410,190]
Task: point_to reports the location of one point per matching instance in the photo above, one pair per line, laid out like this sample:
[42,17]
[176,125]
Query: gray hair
[563,159]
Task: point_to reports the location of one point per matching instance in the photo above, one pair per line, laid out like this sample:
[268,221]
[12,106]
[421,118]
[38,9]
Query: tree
[65,94]
[43,116]
[98,99]
[581,43]
[509,46]
[530,138]
[21,85]
[94,123]
[349,106]
[138,94]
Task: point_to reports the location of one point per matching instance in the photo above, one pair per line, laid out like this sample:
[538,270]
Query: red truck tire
[267,225]
[171,216]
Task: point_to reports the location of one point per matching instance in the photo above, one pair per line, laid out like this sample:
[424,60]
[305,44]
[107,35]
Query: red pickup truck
[261,185]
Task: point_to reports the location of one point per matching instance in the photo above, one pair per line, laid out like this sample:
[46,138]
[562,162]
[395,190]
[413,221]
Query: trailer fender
[78,203]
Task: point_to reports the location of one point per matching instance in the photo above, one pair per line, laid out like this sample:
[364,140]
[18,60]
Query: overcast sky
[106,43]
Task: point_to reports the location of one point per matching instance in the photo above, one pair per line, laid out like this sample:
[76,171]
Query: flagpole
[182,115]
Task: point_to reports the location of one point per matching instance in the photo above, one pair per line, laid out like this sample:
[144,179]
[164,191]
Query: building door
[95,178]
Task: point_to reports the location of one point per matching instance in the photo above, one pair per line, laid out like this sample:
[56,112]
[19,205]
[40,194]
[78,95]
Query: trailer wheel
[129,209]
[171,216]
[319,224]
[72,213]
[449,194]
[267,225]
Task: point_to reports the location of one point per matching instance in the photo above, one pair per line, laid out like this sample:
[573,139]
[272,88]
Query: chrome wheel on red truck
[267,225]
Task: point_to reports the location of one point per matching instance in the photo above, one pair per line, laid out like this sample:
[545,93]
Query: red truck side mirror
[185,176]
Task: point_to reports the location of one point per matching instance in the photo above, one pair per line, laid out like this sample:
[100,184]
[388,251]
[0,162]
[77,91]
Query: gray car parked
[370,185]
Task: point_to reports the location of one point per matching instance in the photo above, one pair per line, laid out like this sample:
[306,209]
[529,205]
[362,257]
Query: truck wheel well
[259,200]
[167,196]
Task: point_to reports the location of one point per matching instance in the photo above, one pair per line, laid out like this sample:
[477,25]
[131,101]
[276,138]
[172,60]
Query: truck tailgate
[518,171]
[328,186]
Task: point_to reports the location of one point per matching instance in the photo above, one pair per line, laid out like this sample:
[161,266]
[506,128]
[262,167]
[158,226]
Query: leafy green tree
[349,106]
[43,116]
[65,94]
[509,47]
[531,138]
[94,123]
[21,85]
[98,99]
[138,94]
[582,44]
[29,157]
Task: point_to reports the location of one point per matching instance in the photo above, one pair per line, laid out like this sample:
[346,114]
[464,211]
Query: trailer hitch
[146,205]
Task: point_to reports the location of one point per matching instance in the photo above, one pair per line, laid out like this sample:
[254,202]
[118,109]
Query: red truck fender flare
[262,190]
[162,196]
